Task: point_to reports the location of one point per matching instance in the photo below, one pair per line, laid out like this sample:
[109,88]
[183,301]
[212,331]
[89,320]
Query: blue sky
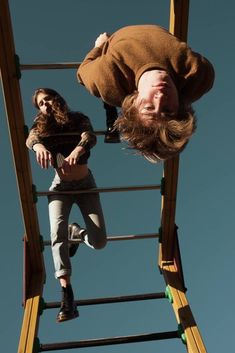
[59,31]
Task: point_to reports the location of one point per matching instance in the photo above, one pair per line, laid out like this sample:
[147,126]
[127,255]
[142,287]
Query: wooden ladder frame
[169,260]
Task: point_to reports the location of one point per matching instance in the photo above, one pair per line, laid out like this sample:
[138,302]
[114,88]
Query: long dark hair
[52,122]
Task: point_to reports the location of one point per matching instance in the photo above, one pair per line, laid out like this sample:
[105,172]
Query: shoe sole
[62,319]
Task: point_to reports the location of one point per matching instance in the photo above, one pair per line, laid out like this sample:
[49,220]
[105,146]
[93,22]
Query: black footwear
[111,136]
[68,309]
[75,232]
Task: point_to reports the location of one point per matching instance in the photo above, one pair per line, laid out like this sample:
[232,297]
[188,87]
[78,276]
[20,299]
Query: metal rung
[109,341]
[72,65]
[96,132]
[115,238]
[93,190]
[109,300]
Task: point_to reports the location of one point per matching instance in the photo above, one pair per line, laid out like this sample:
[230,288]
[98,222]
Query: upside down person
[154,77]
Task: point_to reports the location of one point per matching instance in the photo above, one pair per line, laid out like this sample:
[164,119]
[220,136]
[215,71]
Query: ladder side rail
[15,119]
[178,26]
[182,310]
[169,255]
[30,322]
[14,110]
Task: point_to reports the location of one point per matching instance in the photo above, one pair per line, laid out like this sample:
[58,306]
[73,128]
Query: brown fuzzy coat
[113,71]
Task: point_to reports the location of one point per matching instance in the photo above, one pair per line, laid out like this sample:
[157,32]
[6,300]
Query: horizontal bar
[115,238]
[71,65]
[93,190]
[96,132]
[109,341]
[109,300]
[73,133]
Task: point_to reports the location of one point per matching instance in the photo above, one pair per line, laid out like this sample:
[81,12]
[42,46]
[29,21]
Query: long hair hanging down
[161,141]
[59,115]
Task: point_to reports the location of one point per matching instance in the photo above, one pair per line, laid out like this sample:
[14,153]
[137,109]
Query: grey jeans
[59,210]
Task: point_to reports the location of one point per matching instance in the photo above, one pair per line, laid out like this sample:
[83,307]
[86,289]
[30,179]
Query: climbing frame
[169,259]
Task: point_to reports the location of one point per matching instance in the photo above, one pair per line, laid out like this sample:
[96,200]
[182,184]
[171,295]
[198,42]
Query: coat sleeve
[102,76]
[87,71]
[200,78]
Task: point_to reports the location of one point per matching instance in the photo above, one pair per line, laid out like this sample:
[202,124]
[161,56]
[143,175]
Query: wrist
[36,144]
[33,146]
[84,145]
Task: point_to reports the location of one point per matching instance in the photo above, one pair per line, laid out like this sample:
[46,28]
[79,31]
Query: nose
[159,100]
[45,103]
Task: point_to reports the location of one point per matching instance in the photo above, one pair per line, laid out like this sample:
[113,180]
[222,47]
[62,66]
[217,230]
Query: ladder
[169,259]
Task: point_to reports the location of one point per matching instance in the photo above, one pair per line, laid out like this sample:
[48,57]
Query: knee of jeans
[59,235]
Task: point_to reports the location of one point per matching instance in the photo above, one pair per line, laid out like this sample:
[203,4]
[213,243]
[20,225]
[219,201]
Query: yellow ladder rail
[168,251]
[35,264]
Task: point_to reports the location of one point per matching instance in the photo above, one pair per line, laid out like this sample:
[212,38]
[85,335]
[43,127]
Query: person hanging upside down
[154,77]
[69,155]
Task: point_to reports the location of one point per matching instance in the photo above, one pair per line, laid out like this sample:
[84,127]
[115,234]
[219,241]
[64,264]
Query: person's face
[157,96]
[44,102]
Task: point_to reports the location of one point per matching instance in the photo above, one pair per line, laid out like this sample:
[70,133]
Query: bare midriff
[74,172]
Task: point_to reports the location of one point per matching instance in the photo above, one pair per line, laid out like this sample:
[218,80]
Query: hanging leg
[111,135]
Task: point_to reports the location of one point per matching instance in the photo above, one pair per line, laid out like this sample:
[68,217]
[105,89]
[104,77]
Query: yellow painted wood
[29,325]
[30,322]
[177,26]
[182,310]
[33,262]
[35,272]
[179,10]
[168,207]
[15,120]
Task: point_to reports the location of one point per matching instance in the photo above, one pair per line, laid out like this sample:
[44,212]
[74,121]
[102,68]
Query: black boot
[111,135]
[68,309]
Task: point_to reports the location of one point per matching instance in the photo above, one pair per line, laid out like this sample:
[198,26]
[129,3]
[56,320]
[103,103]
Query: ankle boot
[111,134]
[68,309]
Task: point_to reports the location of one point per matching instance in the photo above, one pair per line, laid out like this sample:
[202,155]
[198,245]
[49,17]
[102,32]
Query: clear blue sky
[59,31]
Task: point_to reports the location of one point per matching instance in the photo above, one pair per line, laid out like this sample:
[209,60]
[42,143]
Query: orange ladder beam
[178,26]
[14,110]
[35,276]
[168,250]
[183,313]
